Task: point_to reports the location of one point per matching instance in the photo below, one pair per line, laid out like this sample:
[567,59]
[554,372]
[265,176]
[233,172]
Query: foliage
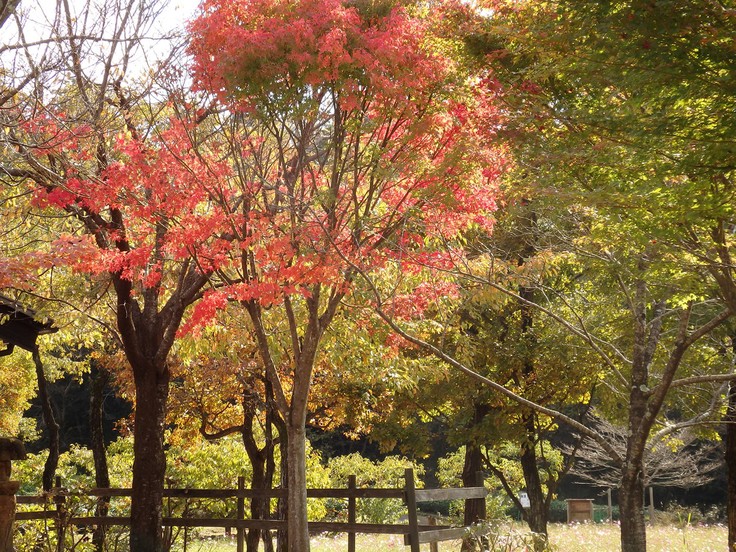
[17,387]
[384,474]
[359,142]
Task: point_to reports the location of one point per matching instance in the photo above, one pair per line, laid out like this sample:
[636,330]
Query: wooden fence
[414,533]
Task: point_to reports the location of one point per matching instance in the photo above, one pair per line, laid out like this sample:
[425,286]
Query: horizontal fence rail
[415,534]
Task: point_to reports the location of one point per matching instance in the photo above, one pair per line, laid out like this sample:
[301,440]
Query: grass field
[564,538]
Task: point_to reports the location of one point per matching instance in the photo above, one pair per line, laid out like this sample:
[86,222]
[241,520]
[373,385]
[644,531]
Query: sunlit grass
[563,538]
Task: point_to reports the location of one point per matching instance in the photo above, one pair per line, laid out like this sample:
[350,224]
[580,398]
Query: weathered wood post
[433,546]
[411,503]
[10,449]
[480,481]
[61,514]
[240,515]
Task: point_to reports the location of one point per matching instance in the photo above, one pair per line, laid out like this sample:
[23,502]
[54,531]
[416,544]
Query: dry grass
[660,538]
[563,538]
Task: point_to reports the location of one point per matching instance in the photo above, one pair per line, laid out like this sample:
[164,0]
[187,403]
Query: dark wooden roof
[19,326]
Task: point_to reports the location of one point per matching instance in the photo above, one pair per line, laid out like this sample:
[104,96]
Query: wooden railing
[414,533]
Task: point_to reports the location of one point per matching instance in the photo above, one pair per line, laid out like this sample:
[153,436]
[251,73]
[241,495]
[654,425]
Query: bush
[387,473]
[682,516]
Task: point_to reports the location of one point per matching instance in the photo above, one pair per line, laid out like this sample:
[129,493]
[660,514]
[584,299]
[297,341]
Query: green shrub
[388,473]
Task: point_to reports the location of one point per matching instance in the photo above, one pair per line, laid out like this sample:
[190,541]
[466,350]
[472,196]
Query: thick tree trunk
[631,507]
[149,464]
[52,427]
[474,510]
[100,379]
[296,520]
[731,465]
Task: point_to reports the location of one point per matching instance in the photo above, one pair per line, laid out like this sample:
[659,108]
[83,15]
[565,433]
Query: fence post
[411,504]
[351,511]
[480,482]
[60,501]
[240,514]
[10,449]
[482,514]
[433,546]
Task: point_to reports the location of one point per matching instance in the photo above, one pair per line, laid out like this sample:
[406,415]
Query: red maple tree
[360,141]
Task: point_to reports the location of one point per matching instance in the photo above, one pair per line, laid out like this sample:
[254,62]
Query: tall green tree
[627,108]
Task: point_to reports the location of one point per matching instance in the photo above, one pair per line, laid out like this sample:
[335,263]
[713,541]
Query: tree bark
[474,511]
[52,427]
[731,464]
[149,464]
[282,536]
[631,508]
[100,379]
[537,515]
[262,462]
[296,521]
[258,505]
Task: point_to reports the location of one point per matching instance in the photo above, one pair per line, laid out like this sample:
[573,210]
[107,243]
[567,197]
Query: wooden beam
[428,495]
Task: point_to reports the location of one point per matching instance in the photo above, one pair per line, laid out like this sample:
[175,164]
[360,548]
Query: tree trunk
[631,508]
[537,518]
[262,462]
[731,464]
[282,536]
[52,427]
[149,464]
[100,379]
[474,510]
[537,514]
[296,520]
[631,491]
[258,505]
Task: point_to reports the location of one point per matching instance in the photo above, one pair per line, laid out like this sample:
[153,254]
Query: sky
[38,14]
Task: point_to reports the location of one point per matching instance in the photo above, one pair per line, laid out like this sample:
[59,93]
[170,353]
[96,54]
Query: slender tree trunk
[52,427]
[537,516]
[100,379]
[296,521]
[631,508]
[731,465]
[149,464]
[262,462]
[631,491]
[282,535]
[273,421]
[258,505]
